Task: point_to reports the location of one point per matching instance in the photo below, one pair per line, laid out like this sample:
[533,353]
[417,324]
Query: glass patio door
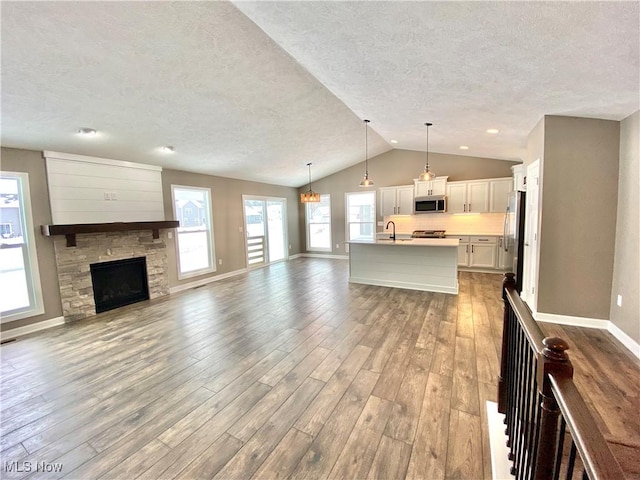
[265,229]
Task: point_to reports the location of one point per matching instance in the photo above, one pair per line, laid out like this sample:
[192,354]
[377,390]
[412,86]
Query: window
[318,219]
[194,239]
[361,215]
[19,276]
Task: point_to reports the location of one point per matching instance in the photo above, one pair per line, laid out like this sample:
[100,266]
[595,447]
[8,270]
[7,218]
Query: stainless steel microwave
[430,204]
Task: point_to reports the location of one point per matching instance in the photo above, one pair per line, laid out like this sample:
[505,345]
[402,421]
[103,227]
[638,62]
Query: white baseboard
[624,339]
[34,327]
[293,257]
[205,281]
[628,342]
[320,255]
[572,321]
[500,464]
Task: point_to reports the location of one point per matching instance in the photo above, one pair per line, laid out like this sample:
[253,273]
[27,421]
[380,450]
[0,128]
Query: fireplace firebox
[119,283]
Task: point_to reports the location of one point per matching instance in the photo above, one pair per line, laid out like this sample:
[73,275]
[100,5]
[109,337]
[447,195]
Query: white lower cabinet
[477,251]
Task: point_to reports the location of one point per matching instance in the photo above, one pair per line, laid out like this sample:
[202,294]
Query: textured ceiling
[260,100]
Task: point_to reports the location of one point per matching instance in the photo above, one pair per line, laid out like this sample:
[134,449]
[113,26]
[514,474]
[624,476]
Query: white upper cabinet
[456,197]
[478,196]
[437,186]
[499,194]
[396,200]
[468,197]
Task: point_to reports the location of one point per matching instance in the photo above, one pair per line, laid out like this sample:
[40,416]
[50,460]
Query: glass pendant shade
[309,196]
[427,174]
[366,181]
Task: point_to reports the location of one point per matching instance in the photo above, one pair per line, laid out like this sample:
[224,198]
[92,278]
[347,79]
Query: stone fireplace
[74,271]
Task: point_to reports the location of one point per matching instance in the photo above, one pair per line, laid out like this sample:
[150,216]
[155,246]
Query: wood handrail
[539,399]
[598,459]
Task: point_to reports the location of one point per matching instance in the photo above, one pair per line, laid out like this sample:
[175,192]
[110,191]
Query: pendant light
[427,174]
[309,196]
[366,182]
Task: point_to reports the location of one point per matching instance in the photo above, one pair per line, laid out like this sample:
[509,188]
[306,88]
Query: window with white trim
[19,276]
[361,215]
[194,238]
[318,220]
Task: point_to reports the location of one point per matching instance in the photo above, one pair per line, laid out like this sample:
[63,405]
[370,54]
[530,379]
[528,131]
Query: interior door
[266,230]
[531,237]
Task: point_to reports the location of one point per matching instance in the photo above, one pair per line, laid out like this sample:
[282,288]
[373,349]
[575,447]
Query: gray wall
[626,266]
[15,160]
[578,220]
[396,167]
[227,212]
[226,199]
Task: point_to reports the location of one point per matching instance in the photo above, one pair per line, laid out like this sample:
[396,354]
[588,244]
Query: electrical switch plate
[619,301]
[107,196]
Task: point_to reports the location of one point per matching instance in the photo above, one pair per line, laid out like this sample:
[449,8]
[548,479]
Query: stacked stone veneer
[74,274]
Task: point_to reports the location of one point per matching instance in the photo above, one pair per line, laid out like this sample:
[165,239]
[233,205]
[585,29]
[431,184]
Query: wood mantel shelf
[70,231]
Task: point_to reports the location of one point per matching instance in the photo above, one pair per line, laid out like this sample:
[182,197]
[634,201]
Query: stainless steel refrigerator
[513,243]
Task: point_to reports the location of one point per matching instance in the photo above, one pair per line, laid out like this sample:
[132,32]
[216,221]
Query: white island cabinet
[428,264]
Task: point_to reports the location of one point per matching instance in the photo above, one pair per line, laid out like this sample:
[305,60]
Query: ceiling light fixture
[366,182]
[168,149]
[464,147]
[393,141]
[427,174]
[493,131]
[87,132]
[309,196]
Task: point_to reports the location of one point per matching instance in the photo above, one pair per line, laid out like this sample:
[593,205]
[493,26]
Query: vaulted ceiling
[256,90]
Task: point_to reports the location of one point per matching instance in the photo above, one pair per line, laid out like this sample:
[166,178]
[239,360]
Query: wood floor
[285,372]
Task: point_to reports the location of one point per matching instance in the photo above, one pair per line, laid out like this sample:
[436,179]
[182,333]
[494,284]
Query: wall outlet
[170,234]
[240,229]
[338,246]
[619,300]
[381,224]
[289,246]
[219,261]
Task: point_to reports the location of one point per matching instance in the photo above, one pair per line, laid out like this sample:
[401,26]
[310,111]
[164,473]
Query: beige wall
[396,167]
[227,212]
[626,266]
[578,222]
[226,199]
[15,160]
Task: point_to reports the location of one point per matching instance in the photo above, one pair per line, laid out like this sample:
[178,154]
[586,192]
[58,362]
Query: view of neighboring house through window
[318,218]
[194,239]
[19,276]
[361,215]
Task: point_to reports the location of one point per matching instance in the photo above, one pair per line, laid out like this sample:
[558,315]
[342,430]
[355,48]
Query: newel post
[509,280]
[552,359]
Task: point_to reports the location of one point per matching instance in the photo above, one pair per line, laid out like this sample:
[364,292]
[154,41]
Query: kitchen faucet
[393,235]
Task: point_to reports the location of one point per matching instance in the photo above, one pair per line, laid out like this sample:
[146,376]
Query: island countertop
[410,242]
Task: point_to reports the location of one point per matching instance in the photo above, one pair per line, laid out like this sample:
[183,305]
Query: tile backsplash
[459,224]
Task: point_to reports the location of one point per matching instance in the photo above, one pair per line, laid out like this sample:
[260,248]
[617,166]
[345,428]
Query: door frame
[533,217]
[265,199]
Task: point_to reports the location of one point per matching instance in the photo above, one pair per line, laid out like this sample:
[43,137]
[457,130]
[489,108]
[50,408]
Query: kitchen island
[428,264]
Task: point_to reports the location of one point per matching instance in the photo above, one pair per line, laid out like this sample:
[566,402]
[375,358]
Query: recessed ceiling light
[393,141]
[464,147]
[168,149]
[493,131]
[87,132]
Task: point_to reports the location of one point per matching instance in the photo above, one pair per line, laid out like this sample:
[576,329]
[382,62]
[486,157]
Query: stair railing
[551,432]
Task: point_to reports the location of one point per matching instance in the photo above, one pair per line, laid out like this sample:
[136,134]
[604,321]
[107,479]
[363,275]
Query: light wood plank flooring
[284,372]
